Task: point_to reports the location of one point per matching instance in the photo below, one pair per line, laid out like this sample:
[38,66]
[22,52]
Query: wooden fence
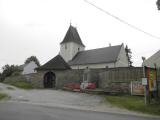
[118,79]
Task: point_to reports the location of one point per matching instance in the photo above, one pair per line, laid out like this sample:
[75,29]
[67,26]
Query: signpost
[144,83]
[144,80]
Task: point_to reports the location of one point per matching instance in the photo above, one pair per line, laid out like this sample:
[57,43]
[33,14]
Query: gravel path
[61,98]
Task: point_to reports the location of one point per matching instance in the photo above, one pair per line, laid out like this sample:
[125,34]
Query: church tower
[71,44]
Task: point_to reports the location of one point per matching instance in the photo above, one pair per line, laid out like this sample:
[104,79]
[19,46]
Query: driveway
[63,99]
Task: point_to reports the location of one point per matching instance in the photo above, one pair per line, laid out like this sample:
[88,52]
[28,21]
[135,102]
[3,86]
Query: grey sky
[36,27]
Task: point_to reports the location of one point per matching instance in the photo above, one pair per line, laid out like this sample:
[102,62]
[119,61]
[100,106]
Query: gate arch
[49,80]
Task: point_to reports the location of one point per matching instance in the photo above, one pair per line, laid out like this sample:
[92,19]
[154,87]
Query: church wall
[69,50]
[76,48]
[65,51]
[122,60]
[94,66]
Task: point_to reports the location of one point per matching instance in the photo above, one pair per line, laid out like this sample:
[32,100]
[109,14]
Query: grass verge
[20,84]
[3,96]
[134,103]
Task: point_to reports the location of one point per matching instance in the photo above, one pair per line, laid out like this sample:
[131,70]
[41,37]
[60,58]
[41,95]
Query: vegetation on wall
[129,56]
[9,70]
[32,58]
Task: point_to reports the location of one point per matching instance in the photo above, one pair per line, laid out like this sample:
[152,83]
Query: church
[73,55]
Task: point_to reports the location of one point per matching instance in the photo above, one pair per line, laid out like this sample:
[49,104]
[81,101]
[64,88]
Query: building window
[78,49]
[65,46]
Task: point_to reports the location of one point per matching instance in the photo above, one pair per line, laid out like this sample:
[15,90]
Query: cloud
[33,24]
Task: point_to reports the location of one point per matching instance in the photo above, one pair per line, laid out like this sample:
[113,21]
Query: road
[23,111]
[63,99]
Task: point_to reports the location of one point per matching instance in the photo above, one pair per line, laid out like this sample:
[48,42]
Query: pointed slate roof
[72,36]
[101,55]
[57,63]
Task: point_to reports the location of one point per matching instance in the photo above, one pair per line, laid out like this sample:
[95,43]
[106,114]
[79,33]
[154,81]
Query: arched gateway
[49,80]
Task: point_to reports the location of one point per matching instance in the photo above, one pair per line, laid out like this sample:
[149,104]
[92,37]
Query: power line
[119,19]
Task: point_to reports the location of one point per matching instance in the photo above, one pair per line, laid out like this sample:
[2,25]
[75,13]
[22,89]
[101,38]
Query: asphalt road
[23,111]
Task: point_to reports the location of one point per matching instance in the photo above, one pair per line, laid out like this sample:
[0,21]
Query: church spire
[72,36]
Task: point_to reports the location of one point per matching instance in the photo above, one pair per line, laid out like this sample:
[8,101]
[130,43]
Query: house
[153,60]
[29,68]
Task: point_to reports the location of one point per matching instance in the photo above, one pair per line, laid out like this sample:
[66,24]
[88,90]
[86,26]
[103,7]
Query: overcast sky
[36,27]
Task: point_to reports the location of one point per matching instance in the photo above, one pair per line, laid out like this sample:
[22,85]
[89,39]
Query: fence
[118,79]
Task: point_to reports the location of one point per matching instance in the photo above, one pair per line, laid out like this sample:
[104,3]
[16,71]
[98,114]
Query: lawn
[134,103]
[20,84]
[3,96]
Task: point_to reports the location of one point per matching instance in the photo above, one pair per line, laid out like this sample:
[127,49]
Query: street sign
[144,81]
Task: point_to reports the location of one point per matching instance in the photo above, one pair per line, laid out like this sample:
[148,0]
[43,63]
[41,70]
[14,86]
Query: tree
[158,4]
[0,77]
[129,56]
[32,58]
[8,70]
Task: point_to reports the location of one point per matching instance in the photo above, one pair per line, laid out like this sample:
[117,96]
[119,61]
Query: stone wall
[69,76]
[110,80]
[62,78]
[36,79]
[15,78]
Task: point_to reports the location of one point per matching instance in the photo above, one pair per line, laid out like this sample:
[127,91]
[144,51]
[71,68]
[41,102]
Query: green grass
[3,96]
[20,84]
[134,103]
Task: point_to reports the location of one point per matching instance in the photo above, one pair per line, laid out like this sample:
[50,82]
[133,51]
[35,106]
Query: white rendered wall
[94,66]
[69,50]
[122,60]
[29,68]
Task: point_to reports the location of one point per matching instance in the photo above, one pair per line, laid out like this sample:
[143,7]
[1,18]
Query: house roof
[72,36]
[57,63]
[101,55]
[154,59]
